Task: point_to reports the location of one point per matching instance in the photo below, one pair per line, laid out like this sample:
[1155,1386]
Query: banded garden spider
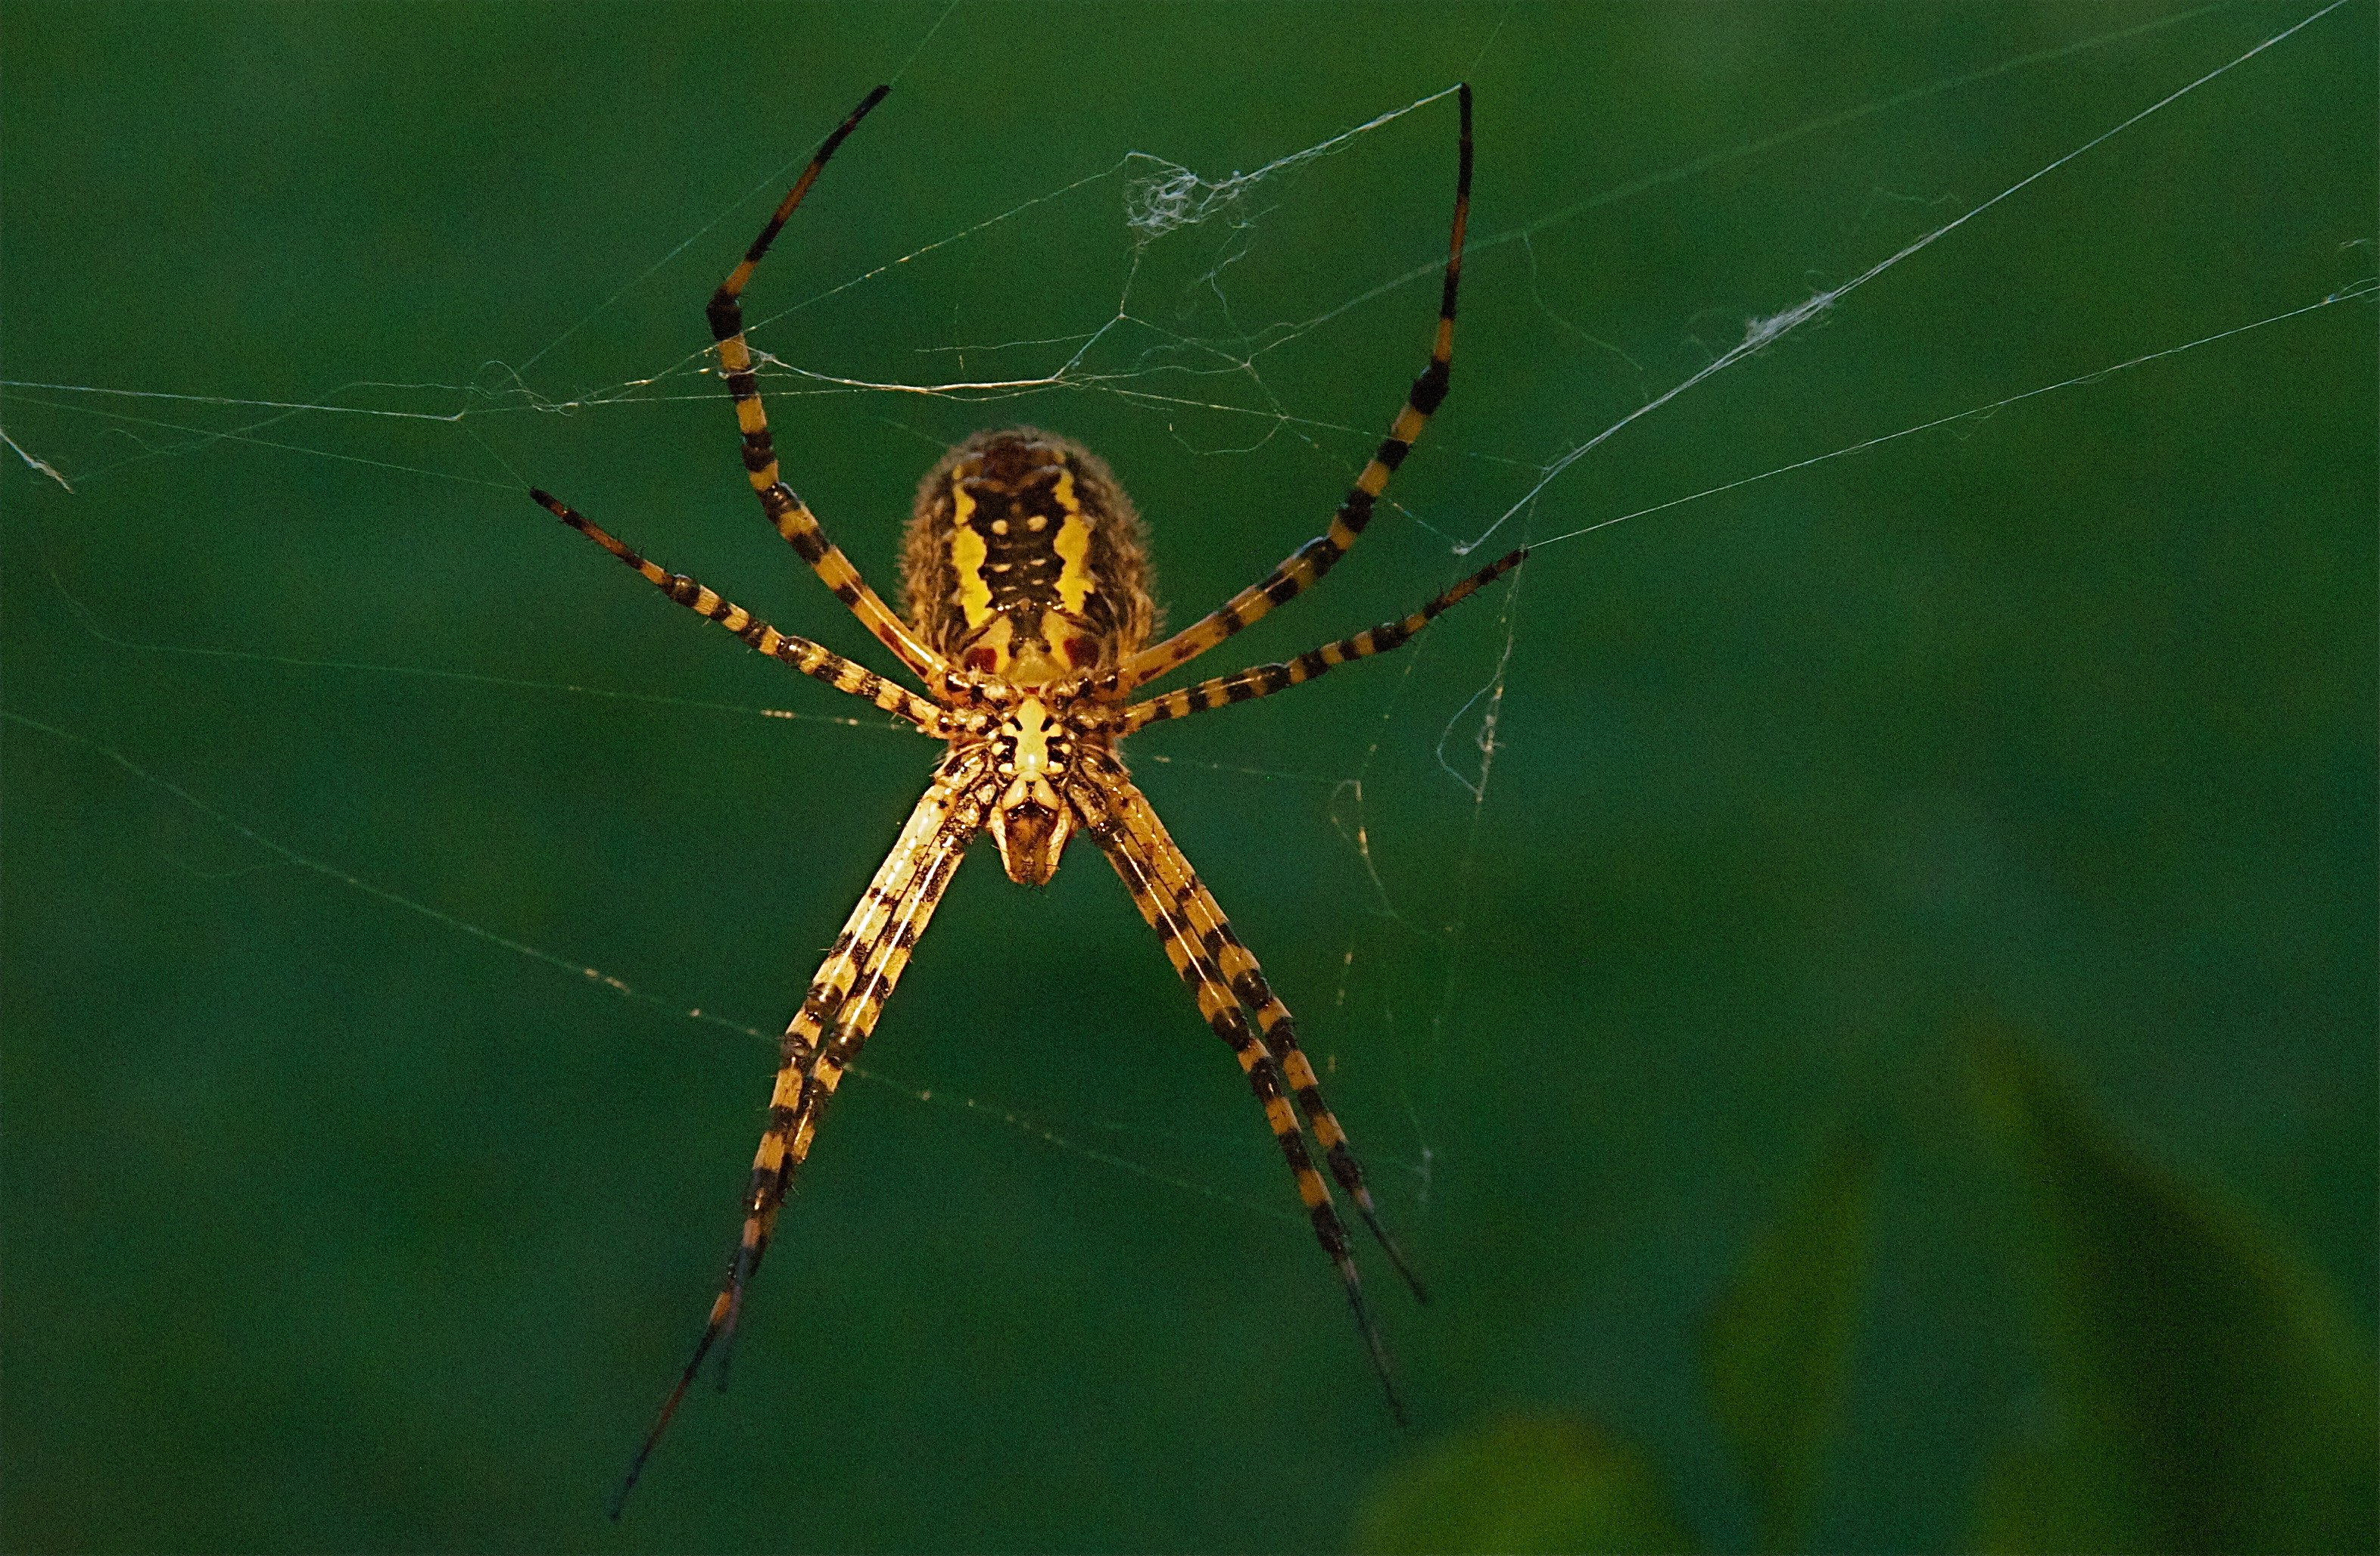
[1025,573]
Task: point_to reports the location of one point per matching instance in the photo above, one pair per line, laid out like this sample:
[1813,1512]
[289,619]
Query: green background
[329,1225]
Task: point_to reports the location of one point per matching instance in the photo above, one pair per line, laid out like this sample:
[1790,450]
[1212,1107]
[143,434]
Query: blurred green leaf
[2213,1394]
[1521,1484]
[1778,1351]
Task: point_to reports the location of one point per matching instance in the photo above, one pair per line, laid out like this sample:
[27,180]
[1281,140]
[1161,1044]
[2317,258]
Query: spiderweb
[1259,324]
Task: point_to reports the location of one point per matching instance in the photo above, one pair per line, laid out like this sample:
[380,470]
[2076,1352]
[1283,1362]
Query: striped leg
[1318,556]
[787,512]
[831,1042]
[1263,681]
[811,658]
[1224,949]
[850,988]
[1102,804]
[870,955]
[840,1042]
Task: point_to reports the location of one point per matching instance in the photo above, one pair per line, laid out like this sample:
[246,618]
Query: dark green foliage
[1779,1349]
[1521,1484]
[331,1226]
[2210,1394]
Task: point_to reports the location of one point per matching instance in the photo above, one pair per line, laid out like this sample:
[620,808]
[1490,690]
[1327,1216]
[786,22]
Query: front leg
[1305,567]
[787,513]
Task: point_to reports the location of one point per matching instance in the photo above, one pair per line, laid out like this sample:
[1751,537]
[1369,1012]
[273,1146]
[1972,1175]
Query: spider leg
[1101,801]
[1263,681]
[1318,556]
[835,1023]
[840,1008]
[811,658]
[1240,970]
[787,512]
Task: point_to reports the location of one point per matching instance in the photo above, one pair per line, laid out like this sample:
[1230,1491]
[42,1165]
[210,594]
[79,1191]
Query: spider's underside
[1027,619]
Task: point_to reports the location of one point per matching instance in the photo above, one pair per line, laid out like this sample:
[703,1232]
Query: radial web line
[1012,1118]
[1763,332]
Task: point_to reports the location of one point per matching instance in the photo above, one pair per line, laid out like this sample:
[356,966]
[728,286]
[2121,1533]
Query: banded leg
[840,1043]
[919,868]
[1165,913]
[1263,681]
[812,659]
[831,1049]
[1246,978]
[790,515]
[927,850]
[1318,556]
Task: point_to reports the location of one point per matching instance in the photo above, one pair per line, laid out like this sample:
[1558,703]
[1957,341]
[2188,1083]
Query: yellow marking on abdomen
[967,554]
[1072,545]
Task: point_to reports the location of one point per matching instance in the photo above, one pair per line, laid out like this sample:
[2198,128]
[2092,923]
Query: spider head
[1030,820]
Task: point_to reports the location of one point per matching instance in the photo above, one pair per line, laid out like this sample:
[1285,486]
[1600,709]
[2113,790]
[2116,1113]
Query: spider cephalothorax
[1025,564]
[1028,613]
[1035,753]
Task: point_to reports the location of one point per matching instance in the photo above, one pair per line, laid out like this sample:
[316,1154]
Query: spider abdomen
[1025,561]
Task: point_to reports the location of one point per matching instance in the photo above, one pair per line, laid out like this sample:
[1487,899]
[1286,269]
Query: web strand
[1761,333]
[1128,351]
[2354,293]
[1012,1118]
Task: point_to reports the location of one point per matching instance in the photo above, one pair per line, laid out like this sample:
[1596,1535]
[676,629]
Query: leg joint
[725,314]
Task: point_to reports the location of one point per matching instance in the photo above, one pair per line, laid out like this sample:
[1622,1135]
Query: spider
[1026,578]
